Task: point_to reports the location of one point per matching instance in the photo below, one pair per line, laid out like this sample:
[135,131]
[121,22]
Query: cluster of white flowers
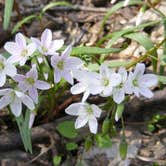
[105,83]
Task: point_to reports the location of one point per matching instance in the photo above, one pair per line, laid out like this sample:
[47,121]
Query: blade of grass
[7,13]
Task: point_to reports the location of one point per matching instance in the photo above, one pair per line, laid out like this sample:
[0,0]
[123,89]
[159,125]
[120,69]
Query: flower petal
[46,38]
[2,79]
[5,91]
[42,85]
[20,40]
[115,79]
[33,94]
[73,63]
[32,73]
[96,110]
[93,125]
[73,109]
[146,92]
[85,96]
[77,88]
[4,101]
[16,107]
[19,78]
[12,48]
[28,102]
[148,80]
[81,121]
[68,77]
[10,70]
[55,45]
[139,70]
[57,76]
[31,48]
[66,52]
[118,95]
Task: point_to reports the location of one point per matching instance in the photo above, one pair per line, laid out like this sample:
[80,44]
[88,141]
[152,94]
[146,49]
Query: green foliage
[103,141]
[67,129]
[22,22]
[88,143]
[123,148]
[119,111]
[147,44]
[162,79]
[7,13]
[106,126]
[53,4]
[57,160]
[117,7]
[93,50]
[71,146]
[23,124]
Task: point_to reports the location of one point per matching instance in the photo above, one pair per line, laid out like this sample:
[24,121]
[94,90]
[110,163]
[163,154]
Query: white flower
[140,83]
[120,90]
[64,65]
[30,83]
[108,80]
[126,2]
[88,83]
[86,114]
[6,68]
[47,46]
[15,99]
[19,50]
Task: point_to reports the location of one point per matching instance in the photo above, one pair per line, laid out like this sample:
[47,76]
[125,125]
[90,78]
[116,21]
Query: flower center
[30,81]
[24,52]
[2,66]
[135,82]
[60,65]
[120,85]
[89,110]
[44,49]
[105,81]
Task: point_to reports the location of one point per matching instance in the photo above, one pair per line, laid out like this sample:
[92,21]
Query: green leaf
[23,124]
[22,22]
[116,7]
[103,141]
[123,149]
[67,129]
[93,50]
[71,146]
[57,160]
[53,4]
[119,111]
[7,13]
[88,143]
[151,127]
[117,34]
[106,126]
[146,43]
[162,79]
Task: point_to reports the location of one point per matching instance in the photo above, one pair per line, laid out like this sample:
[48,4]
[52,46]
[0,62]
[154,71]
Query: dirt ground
[82,25]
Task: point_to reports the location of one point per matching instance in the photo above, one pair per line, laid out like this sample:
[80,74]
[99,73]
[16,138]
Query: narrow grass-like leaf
[22,22]
[94,50]
[7,13]
[53,4]
[117,7]
[115,35]
[146,43]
